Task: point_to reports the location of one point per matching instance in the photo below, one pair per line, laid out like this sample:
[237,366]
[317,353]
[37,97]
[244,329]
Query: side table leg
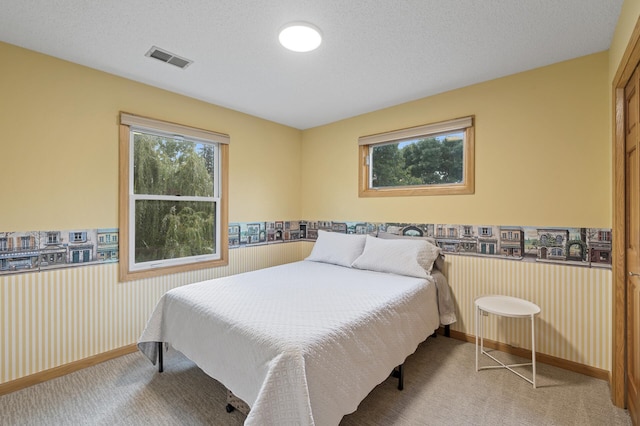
[533,349]
[477,328]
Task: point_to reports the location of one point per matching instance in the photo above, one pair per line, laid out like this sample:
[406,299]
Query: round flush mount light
[300,37]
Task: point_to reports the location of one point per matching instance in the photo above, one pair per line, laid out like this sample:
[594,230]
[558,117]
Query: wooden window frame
[465,124]
[127,121]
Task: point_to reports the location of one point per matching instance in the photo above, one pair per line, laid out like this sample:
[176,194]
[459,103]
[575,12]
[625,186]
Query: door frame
[630,59]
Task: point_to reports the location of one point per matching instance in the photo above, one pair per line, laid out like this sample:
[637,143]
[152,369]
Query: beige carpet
[441,388]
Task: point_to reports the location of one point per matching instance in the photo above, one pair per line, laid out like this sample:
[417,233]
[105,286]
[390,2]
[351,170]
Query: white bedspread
[301,343]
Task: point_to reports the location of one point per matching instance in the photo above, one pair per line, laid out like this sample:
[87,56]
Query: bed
[304,343]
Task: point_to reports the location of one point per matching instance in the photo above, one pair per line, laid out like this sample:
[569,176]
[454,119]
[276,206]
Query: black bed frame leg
[398,372]
[447,332]
[160,366]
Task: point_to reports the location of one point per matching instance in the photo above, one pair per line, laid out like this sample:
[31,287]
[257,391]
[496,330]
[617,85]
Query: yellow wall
[624,27]
[59,146]
[574,323]
[542,145]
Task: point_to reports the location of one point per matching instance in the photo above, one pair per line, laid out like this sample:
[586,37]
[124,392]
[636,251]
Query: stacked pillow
[413,257]
[439,262]
[336,248]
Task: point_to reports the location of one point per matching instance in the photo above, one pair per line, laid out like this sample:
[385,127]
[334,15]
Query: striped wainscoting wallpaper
[576,306]
[52,318]
[55,317]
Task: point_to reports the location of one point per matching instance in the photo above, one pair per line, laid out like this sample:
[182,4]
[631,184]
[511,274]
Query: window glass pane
[173,229]
[168,166]
[433,160]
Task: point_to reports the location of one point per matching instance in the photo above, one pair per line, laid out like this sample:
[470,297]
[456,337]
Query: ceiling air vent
[168,57]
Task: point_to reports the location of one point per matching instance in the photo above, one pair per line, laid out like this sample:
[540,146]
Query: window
[434,159]
[604,235]
[77,237]
[25,243]
[173,192]
[484,231]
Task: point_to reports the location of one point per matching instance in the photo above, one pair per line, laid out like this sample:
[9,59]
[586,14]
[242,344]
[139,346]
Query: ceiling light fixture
[300,37]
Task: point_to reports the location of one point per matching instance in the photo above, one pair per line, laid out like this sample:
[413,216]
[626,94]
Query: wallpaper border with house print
[34,251]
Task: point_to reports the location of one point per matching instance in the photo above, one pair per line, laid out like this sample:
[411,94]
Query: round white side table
[505,306]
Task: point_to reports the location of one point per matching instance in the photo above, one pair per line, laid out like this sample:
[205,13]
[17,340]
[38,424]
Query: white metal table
[506,306]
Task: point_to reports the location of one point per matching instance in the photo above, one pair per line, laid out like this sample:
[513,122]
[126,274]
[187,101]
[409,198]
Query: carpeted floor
[441,388]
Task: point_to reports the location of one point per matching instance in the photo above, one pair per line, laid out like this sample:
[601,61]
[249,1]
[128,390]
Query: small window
[78,237]
[173,210]
[25,243]
[434,159]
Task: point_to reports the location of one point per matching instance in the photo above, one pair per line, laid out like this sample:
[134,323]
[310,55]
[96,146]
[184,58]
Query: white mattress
[302,343]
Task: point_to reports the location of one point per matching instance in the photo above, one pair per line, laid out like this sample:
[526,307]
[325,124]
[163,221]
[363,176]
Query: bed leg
[398,373]
[447,332]
[160,366]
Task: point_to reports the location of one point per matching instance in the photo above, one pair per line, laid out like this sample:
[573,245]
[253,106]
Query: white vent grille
[168,57]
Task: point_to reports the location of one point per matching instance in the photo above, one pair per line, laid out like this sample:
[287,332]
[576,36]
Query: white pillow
[438,263]
[337,248]
[413,258]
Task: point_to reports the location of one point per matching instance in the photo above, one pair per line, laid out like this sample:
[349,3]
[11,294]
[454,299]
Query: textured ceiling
[375,53]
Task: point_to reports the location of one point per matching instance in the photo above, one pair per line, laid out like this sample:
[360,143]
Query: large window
[433,159]
[173,212]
